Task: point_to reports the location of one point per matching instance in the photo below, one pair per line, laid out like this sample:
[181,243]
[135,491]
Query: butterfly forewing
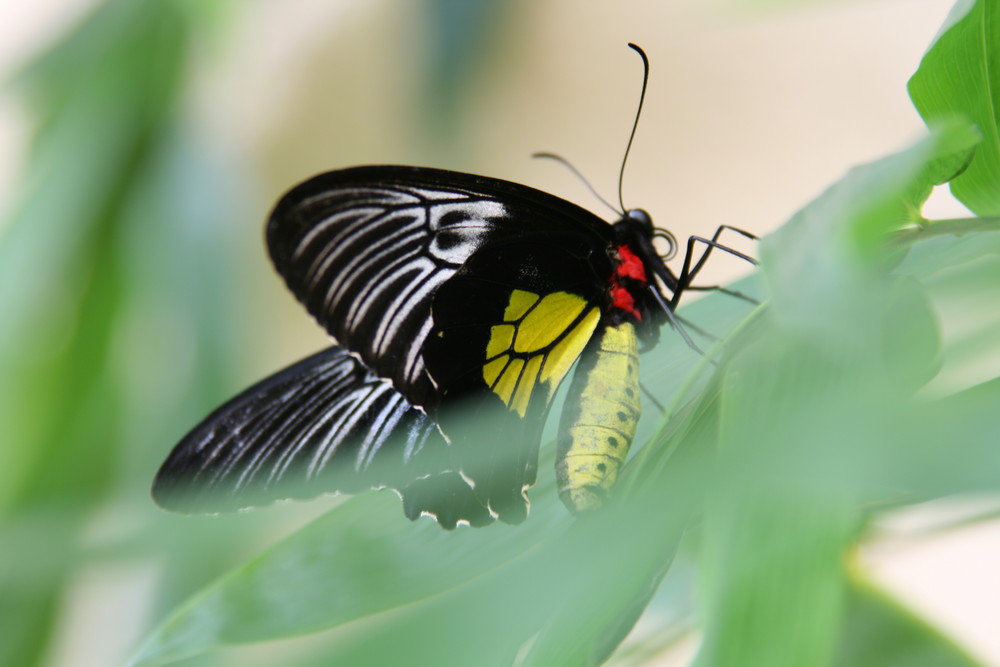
[366,260]
[366,250]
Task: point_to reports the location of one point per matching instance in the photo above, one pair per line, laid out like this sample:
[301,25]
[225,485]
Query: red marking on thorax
[622,299]
[629,266]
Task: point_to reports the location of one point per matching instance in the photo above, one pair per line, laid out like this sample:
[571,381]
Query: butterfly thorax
[633,291]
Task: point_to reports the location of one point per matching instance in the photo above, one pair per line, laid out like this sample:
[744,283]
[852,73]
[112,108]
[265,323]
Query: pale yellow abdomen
[599,419]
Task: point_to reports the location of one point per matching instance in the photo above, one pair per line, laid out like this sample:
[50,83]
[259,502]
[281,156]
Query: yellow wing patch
[539,340]
[542,325]
[520,302]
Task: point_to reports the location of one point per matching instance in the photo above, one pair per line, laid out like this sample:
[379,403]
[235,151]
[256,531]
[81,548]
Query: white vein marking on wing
[393,197]
[283,439]
[290,450]
[409,231]
[436,194]
[466,233]
[247,453]
[345,250]
[416,436]
[362,400]
[336,225]
[414,361]
[383,425]
[393,271]
[417,293]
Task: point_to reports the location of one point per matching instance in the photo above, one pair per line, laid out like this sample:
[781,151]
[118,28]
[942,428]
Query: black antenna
[635,123]
[628,147]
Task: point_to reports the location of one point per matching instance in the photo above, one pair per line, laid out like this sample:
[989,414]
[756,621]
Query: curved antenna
[635,123]
[566,163]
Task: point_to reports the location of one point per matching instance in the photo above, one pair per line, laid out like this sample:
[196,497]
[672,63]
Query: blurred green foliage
[113,269]
[862,384]
[101,99]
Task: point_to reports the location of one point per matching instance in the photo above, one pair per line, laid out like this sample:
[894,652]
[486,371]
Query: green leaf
[99,102]
[104,95]
[960,74]
[960,273]
[773,585]
[818,418]
[359,559]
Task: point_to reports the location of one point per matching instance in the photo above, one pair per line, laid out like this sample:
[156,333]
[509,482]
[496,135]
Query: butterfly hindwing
[326,423]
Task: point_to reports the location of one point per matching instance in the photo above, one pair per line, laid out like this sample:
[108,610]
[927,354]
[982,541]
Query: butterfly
[458,303]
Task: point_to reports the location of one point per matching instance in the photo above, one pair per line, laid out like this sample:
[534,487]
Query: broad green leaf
[960,74]
[960,273]
[817,412]
[104,95]
[773,585]
[361,558]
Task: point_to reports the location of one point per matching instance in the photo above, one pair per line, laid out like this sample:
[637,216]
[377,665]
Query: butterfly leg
[691,269]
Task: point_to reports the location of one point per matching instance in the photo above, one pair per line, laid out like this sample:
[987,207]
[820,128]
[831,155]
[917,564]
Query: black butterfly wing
[473,295]
[324,424]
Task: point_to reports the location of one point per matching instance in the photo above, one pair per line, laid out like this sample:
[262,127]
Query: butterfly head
[641,218]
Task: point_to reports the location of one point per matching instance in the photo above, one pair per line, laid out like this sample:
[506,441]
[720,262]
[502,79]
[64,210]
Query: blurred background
[142,145]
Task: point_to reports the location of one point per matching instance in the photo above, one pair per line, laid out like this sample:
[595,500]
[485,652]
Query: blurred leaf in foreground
[815,415]
[100,98]
[111,290]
